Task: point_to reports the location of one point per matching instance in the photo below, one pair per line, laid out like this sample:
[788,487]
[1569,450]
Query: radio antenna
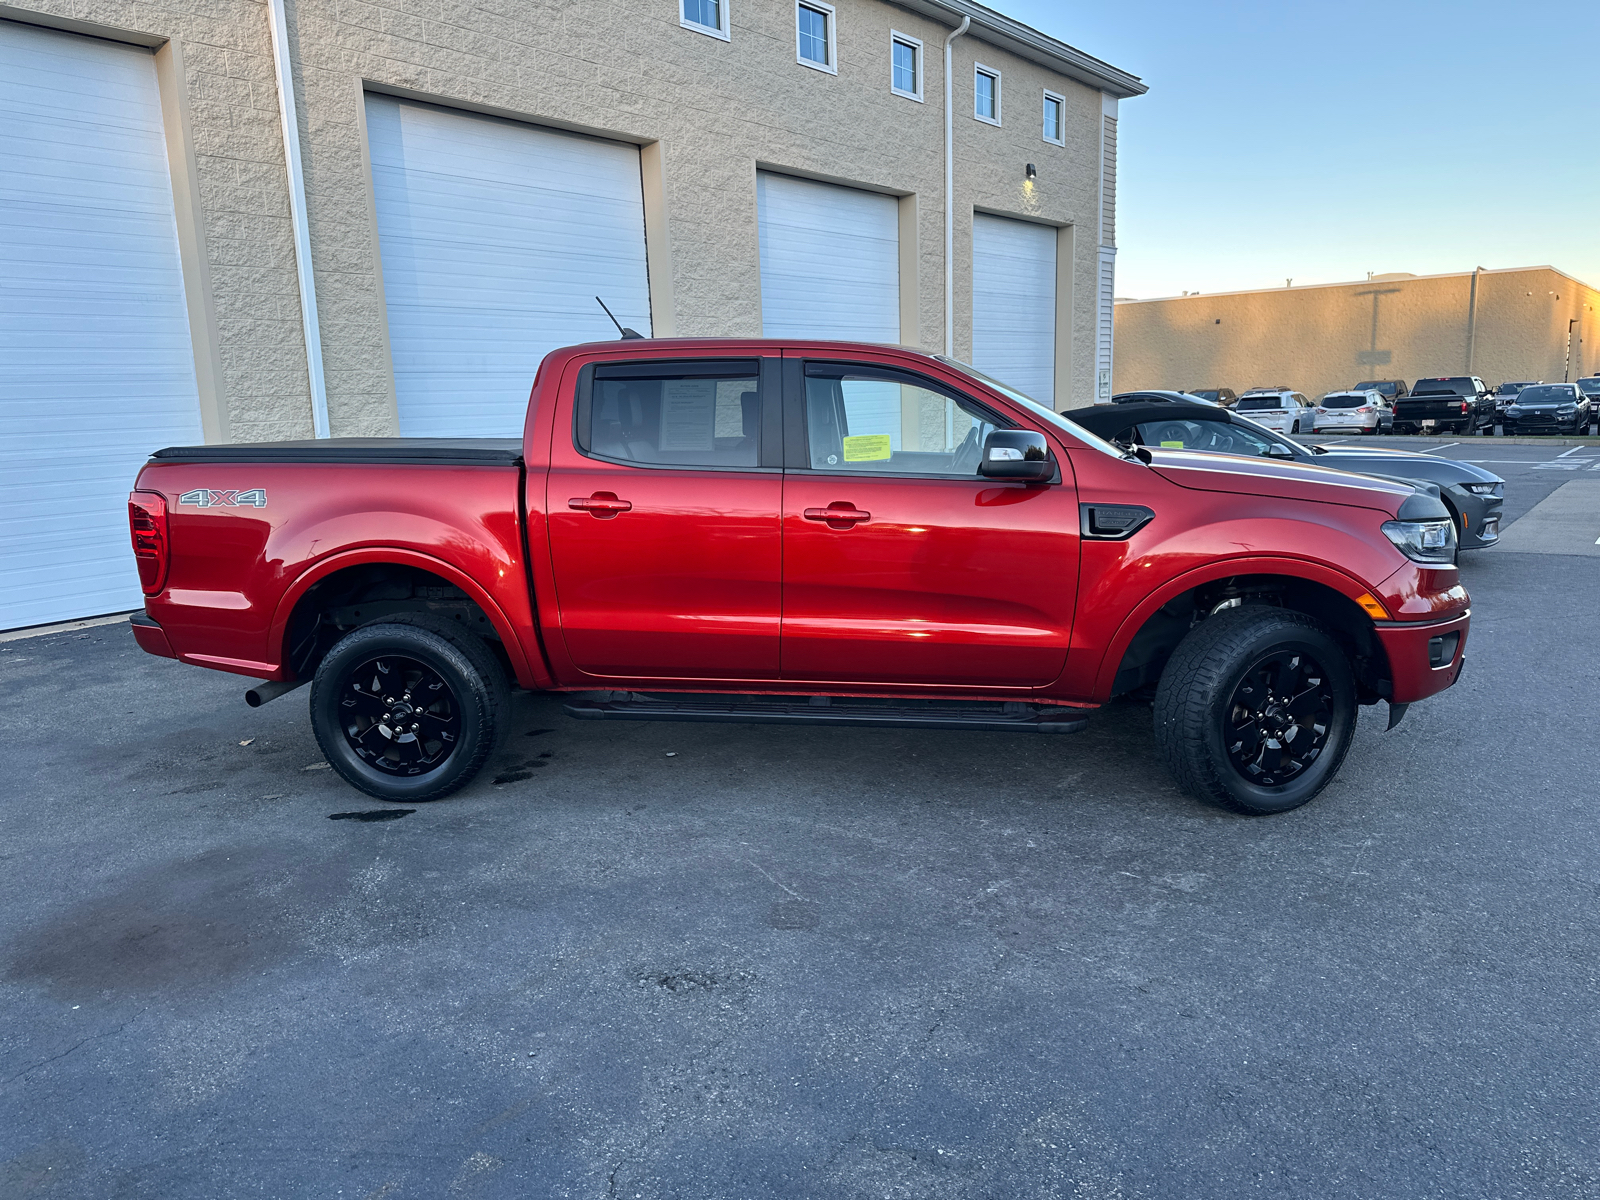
[621,328]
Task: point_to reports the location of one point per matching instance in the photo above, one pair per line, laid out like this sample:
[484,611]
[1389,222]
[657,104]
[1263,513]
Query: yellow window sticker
[1172,445]
[867,447]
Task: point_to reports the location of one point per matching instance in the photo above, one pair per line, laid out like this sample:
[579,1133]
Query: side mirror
[1276,450]
[1016,454]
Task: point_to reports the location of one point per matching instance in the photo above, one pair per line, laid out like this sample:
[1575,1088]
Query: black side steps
[984,716]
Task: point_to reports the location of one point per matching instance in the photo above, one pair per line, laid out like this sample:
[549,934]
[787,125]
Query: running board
[984,716]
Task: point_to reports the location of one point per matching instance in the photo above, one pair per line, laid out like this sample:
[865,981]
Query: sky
[1318,142]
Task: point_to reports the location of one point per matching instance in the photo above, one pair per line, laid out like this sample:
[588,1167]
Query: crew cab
[799,533]
[1449,403]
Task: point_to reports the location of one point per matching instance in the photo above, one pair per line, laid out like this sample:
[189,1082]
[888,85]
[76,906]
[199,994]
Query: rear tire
[1219,690]
[410,708]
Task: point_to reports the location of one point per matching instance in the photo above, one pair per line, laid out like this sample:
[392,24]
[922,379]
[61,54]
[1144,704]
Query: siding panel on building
[96,365]
[1014,303]
[496,238]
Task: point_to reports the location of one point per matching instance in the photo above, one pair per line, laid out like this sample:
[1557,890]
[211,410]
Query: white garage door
[830,260]
[96,366]
[1014,304]
[496,237]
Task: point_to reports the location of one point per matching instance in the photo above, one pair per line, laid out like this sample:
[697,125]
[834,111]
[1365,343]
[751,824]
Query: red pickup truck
[799,532]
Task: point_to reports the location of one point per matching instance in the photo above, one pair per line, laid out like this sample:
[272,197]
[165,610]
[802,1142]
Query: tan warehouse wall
[707,112]
[1320,339]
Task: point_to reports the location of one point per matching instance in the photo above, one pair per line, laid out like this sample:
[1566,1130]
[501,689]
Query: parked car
[1504,393]
[1473,495]
[1357,412]
[930,548]
[1157,397]
[1589,385]
[1394,389]
[1278,408]
[1548,408]
[1448,404]
[1219,395]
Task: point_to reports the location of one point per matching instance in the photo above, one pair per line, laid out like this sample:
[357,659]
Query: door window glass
[878,425]
[676,417]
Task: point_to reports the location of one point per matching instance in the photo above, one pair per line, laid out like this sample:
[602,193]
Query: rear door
[903,566]
[663,508]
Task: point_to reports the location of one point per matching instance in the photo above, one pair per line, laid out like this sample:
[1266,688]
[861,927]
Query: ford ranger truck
[799,533]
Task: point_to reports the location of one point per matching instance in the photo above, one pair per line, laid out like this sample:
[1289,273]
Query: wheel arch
[356,575]
[1146,639]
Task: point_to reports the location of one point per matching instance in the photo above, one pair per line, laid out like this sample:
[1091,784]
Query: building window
[905,66]
[986,94]
[1055,129]
[705,16]
[814,31]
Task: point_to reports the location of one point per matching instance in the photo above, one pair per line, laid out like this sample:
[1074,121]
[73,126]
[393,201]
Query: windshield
[1546,393]
[1442,387]
[1376,385]
[1258,403]
[1211,394]
[1590,385]
[1034,407]
[1213,437]
[1343,401]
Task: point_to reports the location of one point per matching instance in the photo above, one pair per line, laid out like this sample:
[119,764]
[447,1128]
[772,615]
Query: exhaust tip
[269,689]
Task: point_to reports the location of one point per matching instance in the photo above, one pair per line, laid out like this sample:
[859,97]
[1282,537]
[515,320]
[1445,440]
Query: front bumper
[1480,517]
[151,637]
[1424,657]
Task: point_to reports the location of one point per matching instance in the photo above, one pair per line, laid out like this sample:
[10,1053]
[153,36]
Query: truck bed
[383,451]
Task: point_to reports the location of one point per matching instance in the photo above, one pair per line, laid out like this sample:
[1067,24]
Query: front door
[902,565]
[663,510]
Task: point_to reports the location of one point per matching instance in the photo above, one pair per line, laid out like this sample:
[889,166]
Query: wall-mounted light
[1032,172]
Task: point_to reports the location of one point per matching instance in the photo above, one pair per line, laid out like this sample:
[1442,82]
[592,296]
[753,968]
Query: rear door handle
[839,515]
[603,505]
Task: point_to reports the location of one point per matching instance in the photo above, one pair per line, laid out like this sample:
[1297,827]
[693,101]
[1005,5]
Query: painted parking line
[1446,446]
[1564,522]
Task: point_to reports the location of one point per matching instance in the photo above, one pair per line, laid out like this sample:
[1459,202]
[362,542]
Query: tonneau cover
[379,451]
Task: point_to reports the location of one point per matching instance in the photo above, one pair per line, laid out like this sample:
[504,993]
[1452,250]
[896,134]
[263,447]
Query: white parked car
[1355,412]
[1279,409]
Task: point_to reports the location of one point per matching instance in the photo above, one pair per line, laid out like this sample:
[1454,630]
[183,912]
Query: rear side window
[876,423]
[690,414]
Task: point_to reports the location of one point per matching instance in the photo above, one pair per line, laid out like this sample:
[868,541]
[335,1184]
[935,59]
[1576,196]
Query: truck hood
[1274,477]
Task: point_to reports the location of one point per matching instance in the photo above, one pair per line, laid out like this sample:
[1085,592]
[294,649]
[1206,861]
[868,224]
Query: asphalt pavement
[718,961]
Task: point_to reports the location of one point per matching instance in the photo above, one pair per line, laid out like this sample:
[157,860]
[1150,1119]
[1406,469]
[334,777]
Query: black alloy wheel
[1279,717]
[409,708]
[1256,709]
[399,716]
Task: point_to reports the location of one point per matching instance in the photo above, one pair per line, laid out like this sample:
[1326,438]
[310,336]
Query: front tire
[409,709]
[1256,710]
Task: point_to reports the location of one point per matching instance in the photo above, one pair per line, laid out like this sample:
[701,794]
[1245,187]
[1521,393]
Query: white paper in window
[688,414]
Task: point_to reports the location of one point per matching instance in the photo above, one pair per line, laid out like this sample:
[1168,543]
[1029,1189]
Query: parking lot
[721,961]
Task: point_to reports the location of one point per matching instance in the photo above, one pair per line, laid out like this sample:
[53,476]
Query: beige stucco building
[457,183]
[1523,323]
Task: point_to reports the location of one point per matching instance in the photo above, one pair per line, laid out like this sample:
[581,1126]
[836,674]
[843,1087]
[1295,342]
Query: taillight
[1463,406]
[147,522]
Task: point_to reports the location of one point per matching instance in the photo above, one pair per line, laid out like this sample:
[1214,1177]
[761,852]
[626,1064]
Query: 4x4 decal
[209,498]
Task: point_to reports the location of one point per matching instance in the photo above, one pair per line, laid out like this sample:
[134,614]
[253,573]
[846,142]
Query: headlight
[1567,409]
[1429,542]
[1483,489]
[1512,408]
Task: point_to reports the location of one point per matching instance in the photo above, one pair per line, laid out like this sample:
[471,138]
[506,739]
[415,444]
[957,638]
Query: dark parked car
[1222,396]
[1590,387]
[1548,408]
[1158,396]
[1447,404]
[1395,389]
[1473,496]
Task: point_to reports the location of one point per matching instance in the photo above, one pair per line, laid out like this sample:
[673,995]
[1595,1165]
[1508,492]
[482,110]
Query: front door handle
[841,514]
[603,505]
